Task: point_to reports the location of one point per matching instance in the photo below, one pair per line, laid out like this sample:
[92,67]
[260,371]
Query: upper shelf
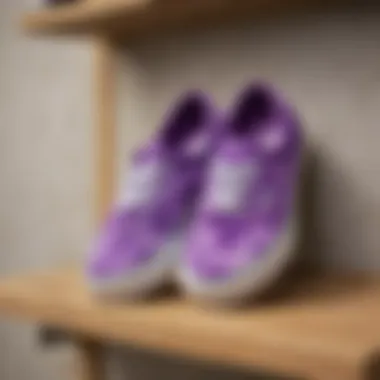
[131,18]
[323,328]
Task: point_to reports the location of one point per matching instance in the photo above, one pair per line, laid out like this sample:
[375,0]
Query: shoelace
[140,185]
[229,185]
[227,196]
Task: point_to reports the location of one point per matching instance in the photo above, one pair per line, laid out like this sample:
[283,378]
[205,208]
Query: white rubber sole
[251,281]
[140,283]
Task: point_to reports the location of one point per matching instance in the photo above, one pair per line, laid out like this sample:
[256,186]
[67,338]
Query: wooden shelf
[132,18]
[322,329]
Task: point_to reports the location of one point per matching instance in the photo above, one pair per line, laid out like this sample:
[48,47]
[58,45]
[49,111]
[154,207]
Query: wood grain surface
[129,19]
[320,328]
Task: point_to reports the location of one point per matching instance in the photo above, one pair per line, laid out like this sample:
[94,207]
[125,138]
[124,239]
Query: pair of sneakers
[210,201]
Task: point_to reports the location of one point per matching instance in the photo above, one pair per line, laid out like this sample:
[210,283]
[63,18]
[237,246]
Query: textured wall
[45,163]
[326,64]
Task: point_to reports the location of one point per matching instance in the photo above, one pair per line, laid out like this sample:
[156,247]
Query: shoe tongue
[238,166]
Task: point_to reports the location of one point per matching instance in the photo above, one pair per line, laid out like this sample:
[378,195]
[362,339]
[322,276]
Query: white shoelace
[228,185]
[140,185]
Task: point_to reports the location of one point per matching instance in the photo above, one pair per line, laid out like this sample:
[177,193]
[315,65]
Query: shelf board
[324,328]
[132,18]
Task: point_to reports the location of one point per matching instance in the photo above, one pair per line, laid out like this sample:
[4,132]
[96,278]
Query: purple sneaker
[246,229]
[139,246]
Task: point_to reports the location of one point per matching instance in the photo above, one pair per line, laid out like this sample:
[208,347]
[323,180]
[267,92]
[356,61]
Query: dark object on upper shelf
[53,3]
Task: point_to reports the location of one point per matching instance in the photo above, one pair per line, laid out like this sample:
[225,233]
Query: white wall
[328,65]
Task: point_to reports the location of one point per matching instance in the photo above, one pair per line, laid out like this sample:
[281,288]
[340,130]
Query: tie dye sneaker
[245,232]
[141,240]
